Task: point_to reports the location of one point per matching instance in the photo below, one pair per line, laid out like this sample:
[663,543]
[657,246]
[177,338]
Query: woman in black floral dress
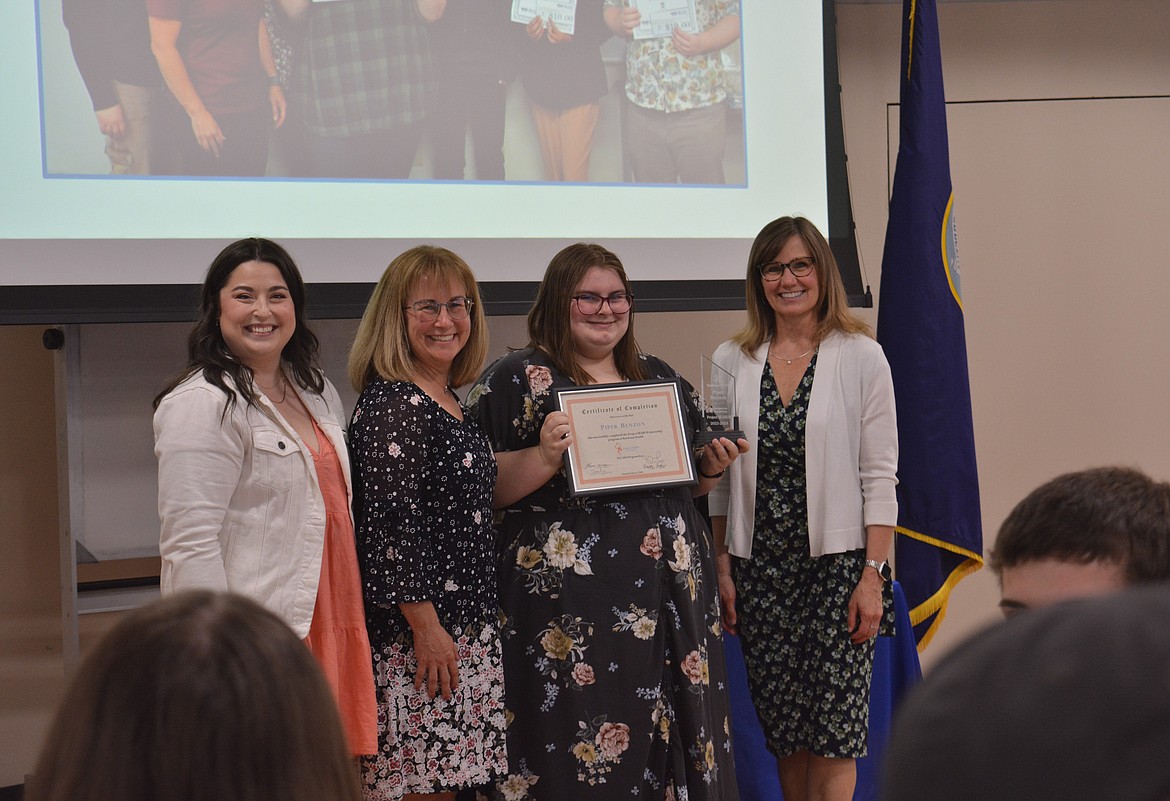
[813,506]
[423,482]
[612,645]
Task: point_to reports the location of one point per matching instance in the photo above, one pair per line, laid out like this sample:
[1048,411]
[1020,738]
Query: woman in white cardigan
[806,517]
[253,472]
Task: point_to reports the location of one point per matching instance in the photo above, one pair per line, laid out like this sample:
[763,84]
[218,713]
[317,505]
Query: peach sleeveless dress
[337,635]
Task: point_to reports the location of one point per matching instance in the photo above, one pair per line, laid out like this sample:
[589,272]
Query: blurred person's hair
[199,696]
[1106,514]
[1068,702]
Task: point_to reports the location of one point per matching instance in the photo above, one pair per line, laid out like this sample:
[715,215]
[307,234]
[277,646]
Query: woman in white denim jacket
[808,513]
[254,484]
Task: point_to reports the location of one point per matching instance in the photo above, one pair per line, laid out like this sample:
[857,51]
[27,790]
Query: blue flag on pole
[920,326]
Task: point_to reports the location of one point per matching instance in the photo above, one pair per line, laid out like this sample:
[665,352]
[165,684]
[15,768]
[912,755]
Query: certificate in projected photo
[561,12]
[626,437]
[661,17]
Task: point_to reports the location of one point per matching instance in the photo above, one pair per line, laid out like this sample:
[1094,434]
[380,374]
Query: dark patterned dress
[612,648]
[423,483]
[808,681]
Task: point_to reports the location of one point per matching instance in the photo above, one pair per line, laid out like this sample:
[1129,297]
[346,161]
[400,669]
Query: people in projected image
[110,40]
[565,80]
[217,60]
[365,82]
[351,89]
[676,123]
[475,46]
[287,155]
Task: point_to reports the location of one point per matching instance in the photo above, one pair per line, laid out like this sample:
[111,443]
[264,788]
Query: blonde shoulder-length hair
[381,347]
[832,310]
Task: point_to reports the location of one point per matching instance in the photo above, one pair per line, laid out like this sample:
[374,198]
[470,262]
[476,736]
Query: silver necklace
[786,360]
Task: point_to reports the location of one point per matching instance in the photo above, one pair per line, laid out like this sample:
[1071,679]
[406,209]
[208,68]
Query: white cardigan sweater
[851,445]
[238,497]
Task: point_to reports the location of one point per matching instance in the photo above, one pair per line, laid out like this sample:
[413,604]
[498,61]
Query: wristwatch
[883,568]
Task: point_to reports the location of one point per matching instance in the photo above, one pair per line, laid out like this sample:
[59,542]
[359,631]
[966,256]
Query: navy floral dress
[808,681]
[423,483]
[612,648]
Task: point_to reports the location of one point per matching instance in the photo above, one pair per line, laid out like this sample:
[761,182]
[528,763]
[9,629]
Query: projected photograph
[525,91]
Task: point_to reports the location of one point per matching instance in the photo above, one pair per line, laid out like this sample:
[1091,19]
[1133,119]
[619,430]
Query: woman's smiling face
[792,298]
[596,335]
[257,317]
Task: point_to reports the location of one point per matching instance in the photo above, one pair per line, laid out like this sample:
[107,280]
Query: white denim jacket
[238,497]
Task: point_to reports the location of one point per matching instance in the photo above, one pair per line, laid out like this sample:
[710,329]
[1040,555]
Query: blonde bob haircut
[381,347]
[833,305]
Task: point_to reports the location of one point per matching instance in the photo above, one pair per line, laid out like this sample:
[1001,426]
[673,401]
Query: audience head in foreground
[197,697]
[1068,703]
[1081,534]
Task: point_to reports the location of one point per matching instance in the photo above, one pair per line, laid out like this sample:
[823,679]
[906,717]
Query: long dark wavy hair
[550,318]
[207,352]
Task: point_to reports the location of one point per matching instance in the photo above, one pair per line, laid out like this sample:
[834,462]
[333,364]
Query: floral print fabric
[611,629]
[658,77]
[808,681]
[423,483]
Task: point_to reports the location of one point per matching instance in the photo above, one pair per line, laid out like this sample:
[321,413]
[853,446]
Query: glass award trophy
[717,388]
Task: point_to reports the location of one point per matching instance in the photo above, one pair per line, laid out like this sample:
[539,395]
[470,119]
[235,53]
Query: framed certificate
[627,437]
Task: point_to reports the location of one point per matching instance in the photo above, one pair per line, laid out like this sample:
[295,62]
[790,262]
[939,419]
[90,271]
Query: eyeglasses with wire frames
[590,304]
[774,270]
[428,310]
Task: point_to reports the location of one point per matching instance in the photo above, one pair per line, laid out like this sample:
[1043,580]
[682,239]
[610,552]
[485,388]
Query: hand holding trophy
[717,388]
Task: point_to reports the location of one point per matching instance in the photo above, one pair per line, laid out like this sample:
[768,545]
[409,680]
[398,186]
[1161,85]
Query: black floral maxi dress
[423,483]
[808,681]
[616,687]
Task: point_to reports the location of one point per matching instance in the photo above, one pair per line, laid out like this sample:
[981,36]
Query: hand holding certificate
[626,437]
[661,17]
[562,13]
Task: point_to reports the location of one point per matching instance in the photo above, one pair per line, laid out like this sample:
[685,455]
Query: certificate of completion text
[626,436]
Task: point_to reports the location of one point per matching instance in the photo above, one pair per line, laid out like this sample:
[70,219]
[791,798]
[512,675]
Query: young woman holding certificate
[612,652]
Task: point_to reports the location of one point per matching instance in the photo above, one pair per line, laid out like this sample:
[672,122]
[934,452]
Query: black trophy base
[703,438]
